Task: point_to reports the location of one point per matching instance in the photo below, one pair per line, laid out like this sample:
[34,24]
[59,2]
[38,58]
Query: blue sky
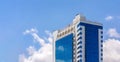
[18,15]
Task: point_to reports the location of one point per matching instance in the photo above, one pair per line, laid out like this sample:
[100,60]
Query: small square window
[78,25]
[80,28]
[101,32]
[79,52]
[101,49]
[101,58]
[80,60]
[101,54]
[80,55]
[79,43]
[79,38]
[102,41]
[101,36]
[101,45]
[78,34]
[79,47]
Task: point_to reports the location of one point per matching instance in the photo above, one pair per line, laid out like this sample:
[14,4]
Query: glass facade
[64,49]
[91,42]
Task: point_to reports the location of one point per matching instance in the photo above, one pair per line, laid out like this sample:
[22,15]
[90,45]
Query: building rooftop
[78,18]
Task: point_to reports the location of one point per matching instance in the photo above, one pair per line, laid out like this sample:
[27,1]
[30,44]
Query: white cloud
[113,33]
[50,38]
[43,54]
[38,39]
[31,50]
[34,32]
[22,58]
[111,50]
[61,48]
[109,18]
[49,33]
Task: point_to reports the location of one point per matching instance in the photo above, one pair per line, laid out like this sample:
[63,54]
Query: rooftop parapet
[78,18]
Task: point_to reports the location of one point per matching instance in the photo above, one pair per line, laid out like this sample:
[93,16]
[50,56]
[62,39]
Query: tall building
[80,41]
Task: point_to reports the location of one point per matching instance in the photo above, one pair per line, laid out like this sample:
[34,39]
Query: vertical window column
[100,35]
[80,43]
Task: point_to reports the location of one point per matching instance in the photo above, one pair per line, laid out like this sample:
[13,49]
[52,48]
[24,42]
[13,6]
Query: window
[60,35]
[71,29]
[101,58]
[79,43]
[101,32]
[101,36]
[101,49]
[101,40]
[80,60]
[57,35]
[79,34]
[78,25]
[79,47]
[79,51]
[101,45]
[79,56]
[101,54]
[65,32]
[79,38]
[79,29]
